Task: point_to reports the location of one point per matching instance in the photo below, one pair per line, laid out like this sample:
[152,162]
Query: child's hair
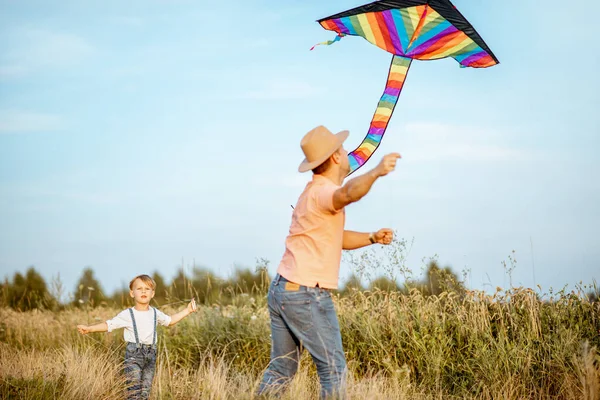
[147,279]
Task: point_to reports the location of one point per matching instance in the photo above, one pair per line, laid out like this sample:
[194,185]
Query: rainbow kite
[410,30]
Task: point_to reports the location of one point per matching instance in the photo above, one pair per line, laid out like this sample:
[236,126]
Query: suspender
[137,339]
[135,331]
[154,336]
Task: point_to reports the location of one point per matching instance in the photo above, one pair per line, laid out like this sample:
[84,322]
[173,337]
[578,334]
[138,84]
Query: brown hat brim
[307,166]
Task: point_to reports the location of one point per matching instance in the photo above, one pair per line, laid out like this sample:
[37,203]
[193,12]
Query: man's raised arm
[358,187]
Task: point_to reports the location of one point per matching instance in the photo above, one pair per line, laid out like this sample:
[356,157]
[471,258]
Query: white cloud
[17,121]
[33,49]
[431,141]
[282,89]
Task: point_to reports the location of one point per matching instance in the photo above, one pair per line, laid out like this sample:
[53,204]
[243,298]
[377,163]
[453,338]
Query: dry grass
[67,373]
[510,345]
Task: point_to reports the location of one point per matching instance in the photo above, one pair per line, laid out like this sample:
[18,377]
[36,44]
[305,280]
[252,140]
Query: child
[140,324]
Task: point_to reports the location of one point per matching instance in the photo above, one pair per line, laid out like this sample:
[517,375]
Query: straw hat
[318,145]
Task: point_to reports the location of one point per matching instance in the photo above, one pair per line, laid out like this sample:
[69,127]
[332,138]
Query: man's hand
[83,329]
[358,187]
[192,306]
[384,236]
[387,164]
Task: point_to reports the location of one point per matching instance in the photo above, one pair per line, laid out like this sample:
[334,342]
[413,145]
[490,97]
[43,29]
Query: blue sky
[138,135]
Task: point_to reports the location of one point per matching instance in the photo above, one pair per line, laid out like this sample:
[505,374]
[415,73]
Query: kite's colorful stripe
[418,32]
[383,113]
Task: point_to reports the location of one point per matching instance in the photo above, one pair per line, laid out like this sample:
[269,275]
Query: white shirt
[144,320]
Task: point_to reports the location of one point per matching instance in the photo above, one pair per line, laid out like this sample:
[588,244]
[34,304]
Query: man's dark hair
[323,167]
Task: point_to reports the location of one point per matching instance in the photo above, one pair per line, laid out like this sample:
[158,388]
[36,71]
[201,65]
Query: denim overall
[140,363]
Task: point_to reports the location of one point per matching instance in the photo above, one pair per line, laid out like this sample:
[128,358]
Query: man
[300,305]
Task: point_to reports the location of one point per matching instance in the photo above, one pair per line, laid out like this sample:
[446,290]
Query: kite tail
[383,113]
[329,42]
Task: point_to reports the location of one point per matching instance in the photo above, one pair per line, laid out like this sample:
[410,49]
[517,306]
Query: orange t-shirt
[313,248]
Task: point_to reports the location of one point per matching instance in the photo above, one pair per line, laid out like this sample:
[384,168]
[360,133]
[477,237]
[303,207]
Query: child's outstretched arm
[85,329]
[191,308]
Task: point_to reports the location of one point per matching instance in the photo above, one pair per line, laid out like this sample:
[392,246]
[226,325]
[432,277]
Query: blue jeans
[303,317]
[140,364]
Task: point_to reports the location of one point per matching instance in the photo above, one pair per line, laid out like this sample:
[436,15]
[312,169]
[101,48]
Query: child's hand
[83,329]
[192,306]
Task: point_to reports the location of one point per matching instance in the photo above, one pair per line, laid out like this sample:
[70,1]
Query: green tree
[249,282]
[384,283]
[352,284]
[161,290]
[121,297]
[17,290]
[5,293]
[88,290]
[28,292]
[206,286]
[438,280]
[180,288]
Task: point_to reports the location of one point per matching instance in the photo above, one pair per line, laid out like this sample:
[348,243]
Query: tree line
[30,290]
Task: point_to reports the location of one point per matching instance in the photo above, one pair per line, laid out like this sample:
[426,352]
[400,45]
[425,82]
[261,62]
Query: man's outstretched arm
[356,240]
[358,187]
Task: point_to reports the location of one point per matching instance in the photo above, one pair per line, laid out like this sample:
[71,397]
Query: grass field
[510,345]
